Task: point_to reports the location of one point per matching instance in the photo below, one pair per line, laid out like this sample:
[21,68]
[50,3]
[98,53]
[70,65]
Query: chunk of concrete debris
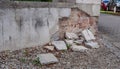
[51,48]
[92,29]
[69,42]
[78,42]
[88,35]
[92,44]
[78,48]
[59,45]
[71,35]
[47,58]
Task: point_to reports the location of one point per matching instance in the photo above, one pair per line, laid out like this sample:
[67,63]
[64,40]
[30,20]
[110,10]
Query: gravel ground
[101,58]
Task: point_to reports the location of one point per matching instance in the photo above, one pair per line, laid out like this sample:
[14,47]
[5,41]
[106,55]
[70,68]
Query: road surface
[110,24]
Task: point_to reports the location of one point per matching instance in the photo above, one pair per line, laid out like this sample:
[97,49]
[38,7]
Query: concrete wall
[28,27]
[92,7]
[28,24]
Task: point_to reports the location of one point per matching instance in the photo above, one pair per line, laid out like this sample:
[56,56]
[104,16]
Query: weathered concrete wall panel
[53,19]
[96,10]
[64,12]
[10,32]
[24,28]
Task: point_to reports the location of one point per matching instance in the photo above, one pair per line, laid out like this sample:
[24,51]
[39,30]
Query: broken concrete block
[92,44]
[91,35]
[47,58]
[59,45]
[88,35]
[78,48]
[69,42]
[78,42]
[51,48]
[92,29]
[71,35]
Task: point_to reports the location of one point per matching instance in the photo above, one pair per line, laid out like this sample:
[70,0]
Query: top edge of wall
[28,4]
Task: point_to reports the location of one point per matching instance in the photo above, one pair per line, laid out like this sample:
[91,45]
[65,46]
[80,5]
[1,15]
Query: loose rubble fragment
[59,45]
[51,48]
[88,35]
[92,44]
[78,48]
[47,58]
[71,35]
[79,42]
[69,42]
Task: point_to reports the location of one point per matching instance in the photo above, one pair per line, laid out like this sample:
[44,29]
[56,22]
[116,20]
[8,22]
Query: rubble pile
[79,42]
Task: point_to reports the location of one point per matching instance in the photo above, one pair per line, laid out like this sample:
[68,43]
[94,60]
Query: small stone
[92,44]
[59,45]
[47,58]
[6,67]
[79,42]
[2,65]
[78,48]
[51,48]
[71,35]
[69,42]
[88,35]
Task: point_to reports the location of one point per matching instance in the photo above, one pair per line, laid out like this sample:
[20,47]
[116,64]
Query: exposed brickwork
[77,22]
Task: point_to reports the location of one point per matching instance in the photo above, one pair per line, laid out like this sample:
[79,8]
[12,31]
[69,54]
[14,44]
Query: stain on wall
[39,23]
[19,21]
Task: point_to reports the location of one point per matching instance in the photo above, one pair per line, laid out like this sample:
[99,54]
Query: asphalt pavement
[110,24]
